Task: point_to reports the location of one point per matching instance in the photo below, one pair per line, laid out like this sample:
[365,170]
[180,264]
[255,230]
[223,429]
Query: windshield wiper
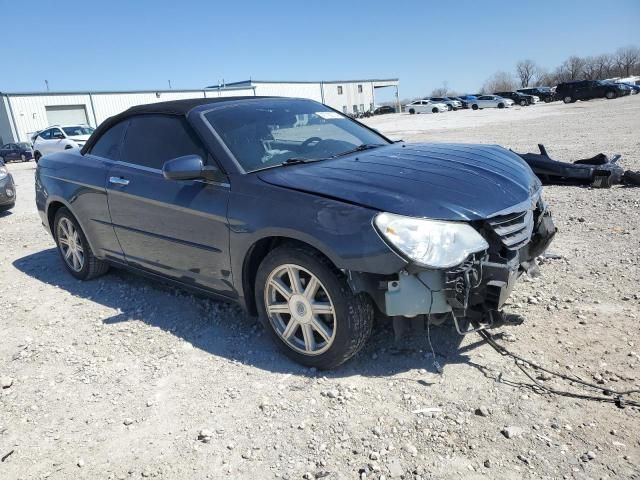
[299,161]
[359,148]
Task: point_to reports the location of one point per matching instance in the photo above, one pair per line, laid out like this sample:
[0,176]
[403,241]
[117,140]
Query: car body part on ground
[7,189]
[599,171]
[60,137]
[409,229]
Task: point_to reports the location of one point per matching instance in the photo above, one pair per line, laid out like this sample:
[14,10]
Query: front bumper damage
[474,292]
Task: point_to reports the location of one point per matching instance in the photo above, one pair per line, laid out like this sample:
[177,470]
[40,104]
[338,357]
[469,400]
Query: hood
[439,181]
[80,138]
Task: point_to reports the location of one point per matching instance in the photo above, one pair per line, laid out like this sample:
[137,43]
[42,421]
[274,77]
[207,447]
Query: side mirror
[58,136]
[188,167]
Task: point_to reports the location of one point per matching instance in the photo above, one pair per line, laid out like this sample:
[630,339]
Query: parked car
[546,94]
[449,102]
[199,192]
[467,100]
[7,189]
[635,89]
[570,92]
[383,110]
[57,138]
[518,98]
[16,151]
[425,106]
[490,101]
[463,103]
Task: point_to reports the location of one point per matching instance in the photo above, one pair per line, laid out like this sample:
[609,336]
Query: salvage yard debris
[599,171]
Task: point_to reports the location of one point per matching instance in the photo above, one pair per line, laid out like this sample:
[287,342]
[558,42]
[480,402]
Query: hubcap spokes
[70,245]
[300,309]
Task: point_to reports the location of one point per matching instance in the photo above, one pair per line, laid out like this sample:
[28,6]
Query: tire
[449,108]
[610,95]
[474,107]
[434,110]
[523,103]
[547,100]
[346,328]
[64,226]
[36,156]
[23,157]
[568,99]
[412,111]
[501,105]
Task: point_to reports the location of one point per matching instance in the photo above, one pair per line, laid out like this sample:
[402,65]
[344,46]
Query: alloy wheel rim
[70,244]
[300,309]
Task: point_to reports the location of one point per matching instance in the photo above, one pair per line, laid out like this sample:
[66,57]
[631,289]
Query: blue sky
[119,45]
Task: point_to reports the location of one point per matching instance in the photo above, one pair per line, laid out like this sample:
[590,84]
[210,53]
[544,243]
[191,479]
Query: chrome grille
[514,229]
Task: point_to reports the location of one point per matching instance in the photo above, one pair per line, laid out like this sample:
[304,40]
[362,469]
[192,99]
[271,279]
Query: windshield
[78,130]
[267,133]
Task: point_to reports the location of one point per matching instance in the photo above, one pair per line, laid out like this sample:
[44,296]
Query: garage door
[67,115]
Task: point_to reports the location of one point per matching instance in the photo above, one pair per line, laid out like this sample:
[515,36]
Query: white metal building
[347,96]
[23,114]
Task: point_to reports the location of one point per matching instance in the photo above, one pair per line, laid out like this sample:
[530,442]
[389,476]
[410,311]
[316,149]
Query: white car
[490,101]
[60,137]
[425,106]
[449,102]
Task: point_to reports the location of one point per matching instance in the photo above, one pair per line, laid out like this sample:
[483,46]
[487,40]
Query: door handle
[118,181]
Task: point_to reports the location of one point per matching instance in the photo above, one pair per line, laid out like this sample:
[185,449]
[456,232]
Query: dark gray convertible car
[308,219]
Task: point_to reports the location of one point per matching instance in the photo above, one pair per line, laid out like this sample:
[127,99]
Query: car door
[177,229]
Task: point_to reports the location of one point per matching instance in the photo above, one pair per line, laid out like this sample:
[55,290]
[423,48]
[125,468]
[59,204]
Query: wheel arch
[52,208]
[257,252]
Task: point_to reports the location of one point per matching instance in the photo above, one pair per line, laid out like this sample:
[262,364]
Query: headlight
[3,172]
[431,243]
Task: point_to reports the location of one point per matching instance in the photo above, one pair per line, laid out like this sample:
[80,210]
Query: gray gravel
[123,378]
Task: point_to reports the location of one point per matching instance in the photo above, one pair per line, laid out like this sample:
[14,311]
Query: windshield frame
[203,112]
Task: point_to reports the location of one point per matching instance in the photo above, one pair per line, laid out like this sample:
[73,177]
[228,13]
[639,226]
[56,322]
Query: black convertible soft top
[173,107]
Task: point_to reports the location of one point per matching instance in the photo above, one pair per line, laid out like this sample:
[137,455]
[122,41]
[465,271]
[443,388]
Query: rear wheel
[474,107]
[412,111]
[547,100]
[434,110]
[449,107]
[36,156]
[501,105]
[610,95]
[74,248]
[307,306]
[568,99]
[23,157]
[523,103]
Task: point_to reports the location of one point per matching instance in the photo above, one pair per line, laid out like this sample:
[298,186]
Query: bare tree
[573,68]
[627,59]
[499,82]
[526,70]
[605,64]
[591,69]
[440,91]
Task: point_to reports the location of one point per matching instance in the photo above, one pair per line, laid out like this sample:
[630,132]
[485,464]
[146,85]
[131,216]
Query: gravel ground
[124,378]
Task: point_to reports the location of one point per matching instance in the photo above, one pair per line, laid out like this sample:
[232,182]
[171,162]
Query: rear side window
[151,140]
[46,134]
[108,145]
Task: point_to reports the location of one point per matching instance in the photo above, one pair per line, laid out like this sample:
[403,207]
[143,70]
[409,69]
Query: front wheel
[434,110]
[523,103]
[501,105]
[36,156]
[23,158]
[610,95]
[474,107]
[568,99]
[412,111]
[74,248]
[449,107]
[309,309]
